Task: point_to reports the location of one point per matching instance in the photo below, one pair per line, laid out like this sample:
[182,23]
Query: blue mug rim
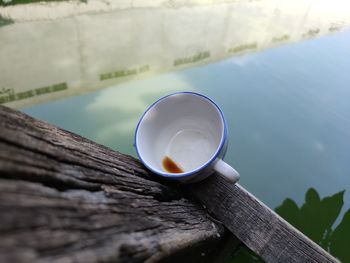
[209,162]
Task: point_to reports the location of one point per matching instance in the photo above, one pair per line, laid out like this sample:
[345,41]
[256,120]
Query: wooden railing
[64,198]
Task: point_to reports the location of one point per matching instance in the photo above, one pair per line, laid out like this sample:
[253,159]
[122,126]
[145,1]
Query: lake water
[288,113]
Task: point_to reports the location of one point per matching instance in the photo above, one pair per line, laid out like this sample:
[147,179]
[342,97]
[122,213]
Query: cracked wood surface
[64,198]
[256,225]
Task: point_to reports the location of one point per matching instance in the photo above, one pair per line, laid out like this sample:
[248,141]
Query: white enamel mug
[190,129]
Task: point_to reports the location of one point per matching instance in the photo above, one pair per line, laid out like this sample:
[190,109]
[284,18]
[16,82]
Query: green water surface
[287,106]
[288,111]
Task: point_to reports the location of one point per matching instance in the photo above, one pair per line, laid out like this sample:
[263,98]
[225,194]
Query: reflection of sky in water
[110,116]
[288,112]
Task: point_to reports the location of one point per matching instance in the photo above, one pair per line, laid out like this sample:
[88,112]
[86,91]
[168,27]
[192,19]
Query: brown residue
[170,166]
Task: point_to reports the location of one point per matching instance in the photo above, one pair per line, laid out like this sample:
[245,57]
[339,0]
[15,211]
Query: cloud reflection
[120,107]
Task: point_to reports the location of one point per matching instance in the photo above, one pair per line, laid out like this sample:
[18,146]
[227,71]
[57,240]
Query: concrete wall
[56,50]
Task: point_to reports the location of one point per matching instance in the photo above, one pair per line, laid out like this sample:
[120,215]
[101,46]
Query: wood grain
[256,225]
[64,198]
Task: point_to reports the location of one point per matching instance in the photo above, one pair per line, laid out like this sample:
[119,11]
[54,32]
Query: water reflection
[316,218]
[287,108]
[129,102]
[65,48]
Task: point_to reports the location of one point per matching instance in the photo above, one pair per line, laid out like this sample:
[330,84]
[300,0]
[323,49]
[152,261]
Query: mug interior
[186,127]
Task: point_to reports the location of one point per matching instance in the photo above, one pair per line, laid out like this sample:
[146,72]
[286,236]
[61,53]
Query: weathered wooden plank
[64,198]
[256,225]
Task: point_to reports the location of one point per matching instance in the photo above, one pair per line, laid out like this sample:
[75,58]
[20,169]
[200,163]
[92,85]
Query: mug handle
[225,170]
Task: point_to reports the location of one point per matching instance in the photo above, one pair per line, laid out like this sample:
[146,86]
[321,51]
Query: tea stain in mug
[171,166]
